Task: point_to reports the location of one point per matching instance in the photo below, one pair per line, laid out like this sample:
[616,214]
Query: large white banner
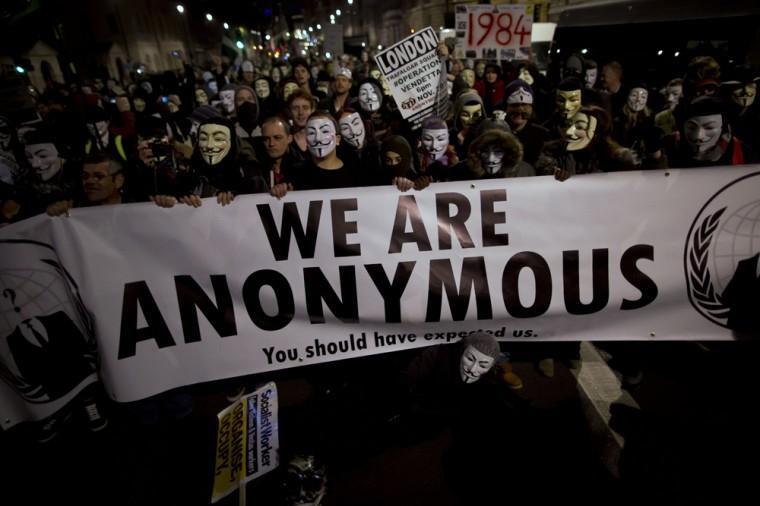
[183,295]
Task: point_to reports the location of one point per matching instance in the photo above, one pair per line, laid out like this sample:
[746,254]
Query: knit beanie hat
[484,343]
[519,92]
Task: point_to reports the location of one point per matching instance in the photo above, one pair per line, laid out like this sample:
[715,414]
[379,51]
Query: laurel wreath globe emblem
[701,287]
[721,251]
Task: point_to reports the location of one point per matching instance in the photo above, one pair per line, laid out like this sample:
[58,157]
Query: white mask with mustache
[435,141]
[352,129]
[214,142]
[492,159]
[369,98]
[320,137]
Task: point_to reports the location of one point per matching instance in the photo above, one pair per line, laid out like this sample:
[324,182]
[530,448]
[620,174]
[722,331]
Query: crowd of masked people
[225,130]
[222,130]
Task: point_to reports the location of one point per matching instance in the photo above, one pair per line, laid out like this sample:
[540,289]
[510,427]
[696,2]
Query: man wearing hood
[468,113]
[493,154]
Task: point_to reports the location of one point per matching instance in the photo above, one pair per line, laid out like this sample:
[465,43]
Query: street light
[226,26]
[180,8]
[337,12]
[319,27]
[311,28]
[350,2]
[209,17]
[239,45]
[268,37]
[20,69]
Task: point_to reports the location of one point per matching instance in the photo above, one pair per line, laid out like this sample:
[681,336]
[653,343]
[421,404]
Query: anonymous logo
[46,341]
[722,257]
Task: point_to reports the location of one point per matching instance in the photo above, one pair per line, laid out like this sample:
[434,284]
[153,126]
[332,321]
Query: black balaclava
[400,145]
[248,116]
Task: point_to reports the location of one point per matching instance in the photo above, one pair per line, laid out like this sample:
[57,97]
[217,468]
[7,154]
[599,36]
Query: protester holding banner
[435,153]
[216,168]
[324,169]
[356,134]
[706,137]
[495,153]
[51,178]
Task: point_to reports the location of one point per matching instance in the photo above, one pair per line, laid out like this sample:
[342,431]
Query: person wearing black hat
[568,101]
[706,138]
[491,88]
[739,90]
[101,139]
[50,178]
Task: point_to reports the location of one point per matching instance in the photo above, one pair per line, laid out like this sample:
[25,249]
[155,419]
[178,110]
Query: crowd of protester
[222,130]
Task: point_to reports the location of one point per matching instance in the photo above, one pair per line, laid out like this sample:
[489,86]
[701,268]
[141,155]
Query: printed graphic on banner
[493,32]
[412,69]
[321,276]
[722,258]
[247,441]
[46,344]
